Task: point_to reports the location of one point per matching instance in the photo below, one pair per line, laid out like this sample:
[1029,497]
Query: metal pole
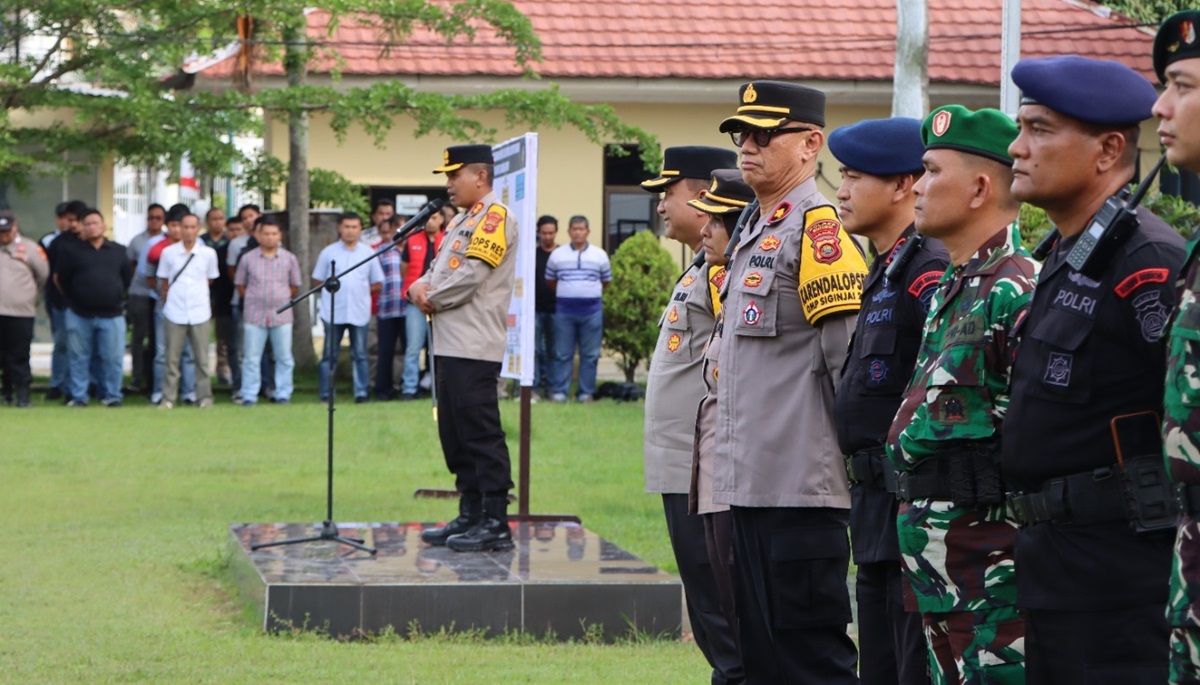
[1010,52]
[523,482]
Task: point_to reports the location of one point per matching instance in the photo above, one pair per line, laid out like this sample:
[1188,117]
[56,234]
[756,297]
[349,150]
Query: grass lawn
[116,519]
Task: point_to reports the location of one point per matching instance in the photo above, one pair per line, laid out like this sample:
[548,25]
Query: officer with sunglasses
[793,288]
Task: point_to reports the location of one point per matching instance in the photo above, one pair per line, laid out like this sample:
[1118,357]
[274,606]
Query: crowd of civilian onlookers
[188,281]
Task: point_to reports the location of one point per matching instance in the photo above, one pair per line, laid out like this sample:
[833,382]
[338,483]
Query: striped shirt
[581,275]
[391,300]
[268,282]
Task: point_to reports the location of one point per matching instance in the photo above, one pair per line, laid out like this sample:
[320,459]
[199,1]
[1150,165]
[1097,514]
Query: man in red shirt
[415,259]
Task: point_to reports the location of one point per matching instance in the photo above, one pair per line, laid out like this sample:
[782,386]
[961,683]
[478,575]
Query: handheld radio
[1112,226]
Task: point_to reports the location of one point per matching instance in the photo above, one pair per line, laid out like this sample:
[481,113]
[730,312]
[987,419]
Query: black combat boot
[470,512]
[23,397]
[489,535]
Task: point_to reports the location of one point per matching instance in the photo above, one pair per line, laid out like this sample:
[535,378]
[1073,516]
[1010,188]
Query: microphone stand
[329,529]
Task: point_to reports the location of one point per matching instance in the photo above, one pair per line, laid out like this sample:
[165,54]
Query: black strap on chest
[1138,492]
[966,474]
[871,467]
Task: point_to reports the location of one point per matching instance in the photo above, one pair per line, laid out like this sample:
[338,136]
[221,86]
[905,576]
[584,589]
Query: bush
[642,276]
[1177,212]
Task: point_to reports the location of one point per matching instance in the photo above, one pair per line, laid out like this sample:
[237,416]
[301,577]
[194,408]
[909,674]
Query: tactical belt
[1139,493]
[966,474]
[871,467]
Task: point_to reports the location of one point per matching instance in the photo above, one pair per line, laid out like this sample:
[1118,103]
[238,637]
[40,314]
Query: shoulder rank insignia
[477,208]
[673,315]
[769,243]
[824,234]
[687,280]
[781,211]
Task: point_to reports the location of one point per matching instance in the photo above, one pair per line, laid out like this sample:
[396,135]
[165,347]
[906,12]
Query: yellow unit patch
[489,242]
[716,281]
[832,268]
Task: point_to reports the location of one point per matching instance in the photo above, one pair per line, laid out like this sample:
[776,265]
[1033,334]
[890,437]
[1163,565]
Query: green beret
[1176,40]
[985,132]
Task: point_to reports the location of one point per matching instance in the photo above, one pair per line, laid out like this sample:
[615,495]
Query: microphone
[418,220]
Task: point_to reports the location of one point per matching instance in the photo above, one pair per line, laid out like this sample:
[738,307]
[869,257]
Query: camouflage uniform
[1181,435]
[959,560]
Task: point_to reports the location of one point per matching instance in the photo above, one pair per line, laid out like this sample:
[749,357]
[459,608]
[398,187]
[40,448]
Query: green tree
[642,274]
[1149,11]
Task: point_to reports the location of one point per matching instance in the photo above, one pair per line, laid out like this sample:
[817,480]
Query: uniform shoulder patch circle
[824,235]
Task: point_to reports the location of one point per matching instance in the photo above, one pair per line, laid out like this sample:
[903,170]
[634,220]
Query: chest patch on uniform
[949,407]
[886,293]
[457,244]
[674,342]
[781,210]
[489,242]
[878,316]
[1137,279]
[769,243]
[1081,280]
[970,330]
[753,280]
[762,261]
[877,371]
[673,315]
[454,262]
[751,314]
[824,236]
[718,277]
[1072,300]
[1152,314]
[687,280]
[1058,369]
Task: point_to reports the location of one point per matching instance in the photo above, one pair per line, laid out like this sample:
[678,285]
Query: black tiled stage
[561,577]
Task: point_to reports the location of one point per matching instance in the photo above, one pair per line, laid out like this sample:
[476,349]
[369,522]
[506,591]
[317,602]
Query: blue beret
[881,147]
[1091,90]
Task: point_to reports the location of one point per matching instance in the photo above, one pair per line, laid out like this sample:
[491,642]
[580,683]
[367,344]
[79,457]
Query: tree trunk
[296,63]
[910,82]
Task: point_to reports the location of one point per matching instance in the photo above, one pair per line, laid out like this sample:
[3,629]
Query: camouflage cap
[984,132]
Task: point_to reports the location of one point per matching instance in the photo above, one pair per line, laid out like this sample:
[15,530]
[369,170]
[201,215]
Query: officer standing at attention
[955,532]
[794,282]
[1177,63]
[1086,385]
[723,203]
[466,292]
[674,388]
[881,161]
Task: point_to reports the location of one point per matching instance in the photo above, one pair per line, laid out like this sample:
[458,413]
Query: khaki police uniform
[470,289]
[23,271]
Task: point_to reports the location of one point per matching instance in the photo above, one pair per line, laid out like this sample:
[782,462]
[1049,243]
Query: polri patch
[824,235]
[1152,314]
[877,371]
[493,219]
[1058,369]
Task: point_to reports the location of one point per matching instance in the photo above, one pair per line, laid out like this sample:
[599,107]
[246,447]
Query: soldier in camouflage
[1177,63]
[956,534]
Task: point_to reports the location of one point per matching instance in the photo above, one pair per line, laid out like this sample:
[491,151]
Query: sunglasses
[762,136]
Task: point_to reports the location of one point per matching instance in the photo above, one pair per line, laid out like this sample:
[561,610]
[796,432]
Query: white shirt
[354,297]
[187,294]
[581,274]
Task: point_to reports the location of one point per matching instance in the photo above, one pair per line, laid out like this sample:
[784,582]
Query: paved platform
[560,579]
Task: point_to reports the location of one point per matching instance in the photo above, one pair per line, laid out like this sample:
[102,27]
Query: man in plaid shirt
[389,314]
[267,278]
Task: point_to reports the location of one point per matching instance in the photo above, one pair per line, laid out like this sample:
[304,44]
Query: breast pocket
[674,340]
[759,301]
[1063,366]
[878,361]
[1183,372]
[957,399]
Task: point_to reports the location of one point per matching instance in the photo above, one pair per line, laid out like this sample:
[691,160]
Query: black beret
[881,147]
[768,104]
[1176,40]
[1092,90]
[456,156]
[690,161]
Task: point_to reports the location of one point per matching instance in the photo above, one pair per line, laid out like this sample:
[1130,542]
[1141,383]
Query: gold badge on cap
[750,95]
[941,123]
[446,157]
[1188,32]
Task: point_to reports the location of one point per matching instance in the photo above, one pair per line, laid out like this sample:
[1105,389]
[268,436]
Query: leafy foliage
[642,274]
[1177,212]
[1149,11]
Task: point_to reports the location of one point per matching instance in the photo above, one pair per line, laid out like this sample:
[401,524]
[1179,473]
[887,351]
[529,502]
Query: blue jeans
[60,360]
[416,327]
[586,332]
[187,369]
[254,340]
[103,337]
[358,355]
[543,345]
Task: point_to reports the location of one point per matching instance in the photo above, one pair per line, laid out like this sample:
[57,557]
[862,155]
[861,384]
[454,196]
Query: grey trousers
[198,335]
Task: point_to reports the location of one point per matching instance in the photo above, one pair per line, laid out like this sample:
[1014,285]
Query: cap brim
[656,185]
[448,168]
[714,208]
[738,120]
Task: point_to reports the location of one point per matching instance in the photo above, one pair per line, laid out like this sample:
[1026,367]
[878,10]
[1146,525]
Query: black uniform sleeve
[1145,290]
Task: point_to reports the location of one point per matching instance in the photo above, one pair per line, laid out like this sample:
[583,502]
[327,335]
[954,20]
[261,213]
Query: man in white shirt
[185,271]
[353,300]
[577,272]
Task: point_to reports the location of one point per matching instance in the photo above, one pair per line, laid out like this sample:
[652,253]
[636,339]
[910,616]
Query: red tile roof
[840,40]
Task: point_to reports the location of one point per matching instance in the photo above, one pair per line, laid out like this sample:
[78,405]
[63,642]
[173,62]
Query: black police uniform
[1090,351]
[879,363]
